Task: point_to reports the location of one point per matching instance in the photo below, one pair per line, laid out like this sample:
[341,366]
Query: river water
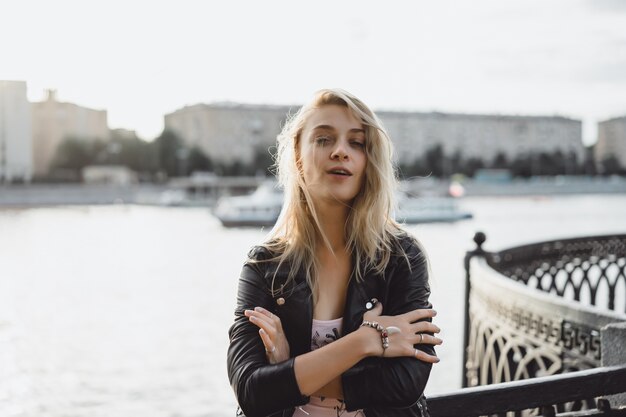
[119,311]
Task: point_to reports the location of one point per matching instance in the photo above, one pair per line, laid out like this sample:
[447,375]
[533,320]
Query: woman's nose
[339,152]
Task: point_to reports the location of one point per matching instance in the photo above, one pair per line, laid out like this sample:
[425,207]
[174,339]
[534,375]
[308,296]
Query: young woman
[332,312]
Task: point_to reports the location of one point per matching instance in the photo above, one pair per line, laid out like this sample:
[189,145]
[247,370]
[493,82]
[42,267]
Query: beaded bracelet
[384,334]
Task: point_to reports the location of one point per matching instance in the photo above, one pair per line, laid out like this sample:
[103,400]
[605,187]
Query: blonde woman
[332,313]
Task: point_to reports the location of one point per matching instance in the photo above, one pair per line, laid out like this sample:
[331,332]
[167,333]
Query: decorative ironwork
[550,325]
[590,270]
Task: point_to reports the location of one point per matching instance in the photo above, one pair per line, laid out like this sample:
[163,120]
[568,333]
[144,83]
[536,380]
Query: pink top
[324,332]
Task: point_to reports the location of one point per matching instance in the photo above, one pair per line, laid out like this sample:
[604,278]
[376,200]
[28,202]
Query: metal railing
[538,396]
[536,312]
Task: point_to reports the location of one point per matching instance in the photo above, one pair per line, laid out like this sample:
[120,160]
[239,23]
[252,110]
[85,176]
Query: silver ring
[421,338]
[274,350]
[415,353]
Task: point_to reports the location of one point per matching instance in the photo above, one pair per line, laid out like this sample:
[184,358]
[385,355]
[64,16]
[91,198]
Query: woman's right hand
[411,332]
[271,332]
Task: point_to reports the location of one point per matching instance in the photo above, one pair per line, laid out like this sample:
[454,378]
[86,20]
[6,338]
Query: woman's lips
[339,176]
[339,170]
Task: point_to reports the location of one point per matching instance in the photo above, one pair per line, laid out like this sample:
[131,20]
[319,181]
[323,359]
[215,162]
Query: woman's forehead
[332,116]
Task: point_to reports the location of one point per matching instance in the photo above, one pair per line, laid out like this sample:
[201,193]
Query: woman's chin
[344,199]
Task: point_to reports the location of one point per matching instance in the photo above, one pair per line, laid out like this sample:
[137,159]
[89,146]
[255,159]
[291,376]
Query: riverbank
[33,195]
[535,186]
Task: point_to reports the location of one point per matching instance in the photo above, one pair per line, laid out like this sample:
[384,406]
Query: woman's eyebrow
[328,127]
[323,127]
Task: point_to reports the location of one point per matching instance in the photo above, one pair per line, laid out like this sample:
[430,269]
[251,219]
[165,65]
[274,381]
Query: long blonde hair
[370,228]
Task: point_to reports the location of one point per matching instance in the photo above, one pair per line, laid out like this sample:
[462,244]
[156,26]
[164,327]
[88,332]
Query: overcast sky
[142,59]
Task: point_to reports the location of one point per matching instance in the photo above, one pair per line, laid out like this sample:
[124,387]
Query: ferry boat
[261,208]
[412,210]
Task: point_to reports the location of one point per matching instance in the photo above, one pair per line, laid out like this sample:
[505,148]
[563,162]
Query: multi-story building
[481,136]
[55,121]
[611,140]
[230,132]
[16,147]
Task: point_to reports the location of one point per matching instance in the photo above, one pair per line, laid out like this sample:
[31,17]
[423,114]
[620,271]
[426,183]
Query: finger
[258,315]
[425,357]
[419,314]
[426,339]
[264,323]
[267,342]
[268,313]
[424,326]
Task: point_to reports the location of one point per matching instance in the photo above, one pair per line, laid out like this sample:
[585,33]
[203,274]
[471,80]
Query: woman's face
[332,154]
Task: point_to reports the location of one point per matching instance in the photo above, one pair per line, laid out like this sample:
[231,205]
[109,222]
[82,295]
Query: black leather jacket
[390,387]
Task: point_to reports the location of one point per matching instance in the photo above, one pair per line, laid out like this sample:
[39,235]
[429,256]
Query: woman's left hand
[410,329]
[271,332]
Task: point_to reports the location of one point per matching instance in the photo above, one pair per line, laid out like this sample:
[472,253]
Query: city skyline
[141,62]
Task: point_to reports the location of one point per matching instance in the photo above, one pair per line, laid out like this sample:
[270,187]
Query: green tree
[166,148]
[74,154]
[612,166]
[470,166]
[588,164]
[263,161]
[500,161]
[521,166]
[199,161]
[434,160]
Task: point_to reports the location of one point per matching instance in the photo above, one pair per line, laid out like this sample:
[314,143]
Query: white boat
[428,210]
[261,208]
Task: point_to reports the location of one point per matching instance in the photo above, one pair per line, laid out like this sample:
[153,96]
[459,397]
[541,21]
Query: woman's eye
[322,140]
[358,144]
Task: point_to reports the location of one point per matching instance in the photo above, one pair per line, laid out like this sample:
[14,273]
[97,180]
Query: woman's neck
[332,220]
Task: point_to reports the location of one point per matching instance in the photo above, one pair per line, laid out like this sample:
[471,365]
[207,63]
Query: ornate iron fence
[538,310]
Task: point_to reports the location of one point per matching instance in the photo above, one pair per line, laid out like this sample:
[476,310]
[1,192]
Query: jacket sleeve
[260,388]
[394,382]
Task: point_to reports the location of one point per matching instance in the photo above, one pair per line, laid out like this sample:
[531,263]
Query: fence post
[479,239]
[614,353]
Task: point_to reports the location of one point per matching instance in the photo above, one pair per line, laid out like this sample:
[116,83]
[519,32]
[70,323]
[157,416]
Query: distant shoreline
[34,195]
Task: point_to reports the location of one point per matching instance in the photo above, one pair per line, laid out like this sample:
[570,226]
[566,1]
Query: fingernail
[261,331]
[247,312]
[257,309]
[434,313]
[438,360]
[252,318]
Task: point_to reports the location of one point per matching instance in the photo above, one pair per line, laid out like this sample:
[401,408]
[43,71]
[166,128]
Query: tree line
[168,156]
[435,162]
[165,157]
